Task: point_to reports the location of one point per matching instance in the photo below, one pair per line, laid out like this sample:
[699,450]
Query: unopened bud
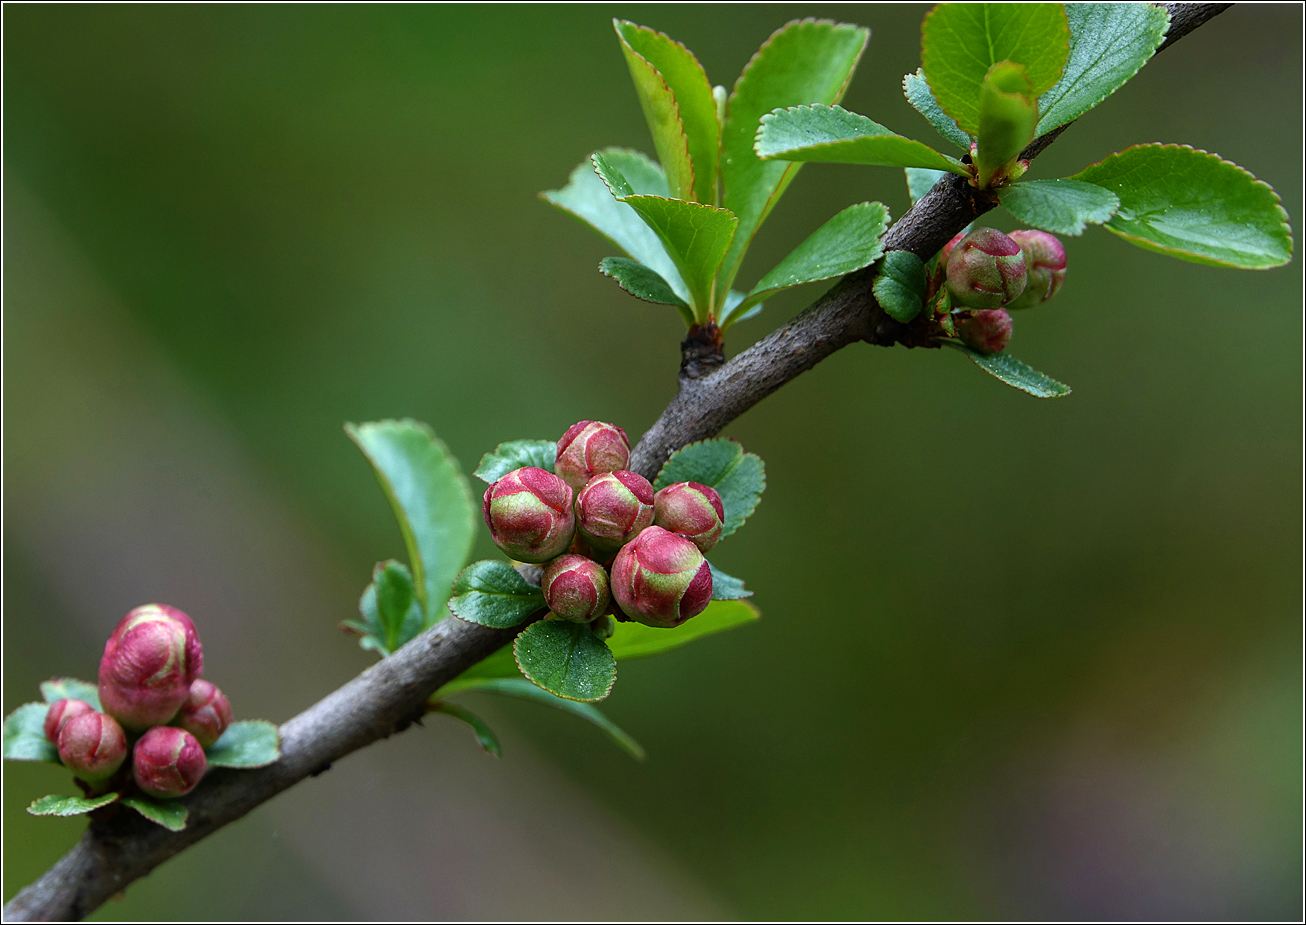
[590,448]
[93,745]
[168,762]
[660,579]
[149,663]
[206,714]
[613,508]
[604,627]
[947,248]
[691,510]
[986,270]
[576,588]
[60,712]
[986,331]
[529,514]
[1045,267]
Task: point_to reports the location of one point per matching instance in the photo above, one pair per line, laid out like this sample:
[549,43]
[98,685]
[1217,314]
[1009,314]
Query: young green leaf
[738,477]
[372,629]
[515,454]
[1013,372]
[396,603]
[643,283]
[431,500]
[249,743]
[804,62]
[635,640]
[1007,114]
[833,135]
[1059,206]
[1193,205]
[492,593]
[900,285]
[961,41]
[917,91]
[727,587]
[677,101]
[485,736]
[58,805]
[24,735]
[1109,43]
[72,689]
[920,181]
[566,659]
[168,813]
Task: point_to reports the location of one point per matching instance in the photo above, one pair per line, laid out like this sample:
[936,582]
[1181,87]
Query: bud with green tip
[590,448]
[604,627]
[168,762]
[60,712]
[986,270]
[529,514]
[660,579]
[613,508]
[206,714]
[575,588]
[691,510]
[987,331]
[149,663]
[1045,267]
[93,745]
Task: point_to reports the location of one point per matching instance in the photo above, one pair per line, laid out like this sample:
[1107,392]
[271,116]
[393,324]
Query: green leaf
[24,735]
[168,813]
[1013,372]
[1109,42]
[1008,113]
[373,628]
[485,736]
[71,689]
[588,198]
[833,135]
[920,181]
[961,41]
[247,743]
[514,455]
[58,805]
[635,640]
[735,310]
[566,659]
[917,91]
[1195,206]
[643,283]
[727,587]
[492,593]
[1059,206]
[900,285]
[810,61]
[525,690]
[738,477]
[397,611]
[677,101]
[431,500]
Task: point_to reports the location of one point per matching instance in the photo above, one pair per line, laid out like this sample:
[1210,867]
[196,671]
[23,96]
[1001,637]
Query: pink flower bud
[575,588]
[206,714]
[986,270]
[168,762]
[590,448]
[529,514]
[947,248]
[613,508]
[661,579]
[149,662]
[93,745]
[691,510]
[1045,267]
[987,332]
[60,712]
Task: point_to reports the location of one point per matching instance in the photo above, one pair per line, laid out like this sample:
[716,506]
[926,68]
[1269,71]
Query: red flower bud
[613,508]
[987,332]
[661,579]
[1045,267]
[93,745]
[149,662]
[206,714]
[947,248]
[529,514]
[590,448]
[60,712]
[986,270]
[691,510]
[168,762]
[575,588]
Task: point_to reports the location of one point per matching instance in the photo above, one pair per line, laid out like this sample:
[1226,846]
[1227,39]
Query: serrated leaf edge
[527,676]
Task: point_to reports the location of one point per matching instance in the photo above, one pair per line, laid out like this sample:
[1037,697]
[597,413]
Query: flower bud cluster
[609,544]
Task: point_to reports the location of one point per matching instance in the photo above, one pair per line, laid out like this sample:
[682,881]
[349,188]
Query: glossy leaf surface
[492,593]
[566,659]
[1013,372]
[168,813]
[738,477]
[58,805]
[1059,206]
[900,285]
[1008,113]
[727,587]
[833,135]
[643,283]
[248,743]
[918,93]
[514,454]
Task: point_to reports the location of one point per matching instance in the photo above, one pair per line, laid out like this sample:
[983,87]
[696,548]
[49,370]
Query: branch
[119,846]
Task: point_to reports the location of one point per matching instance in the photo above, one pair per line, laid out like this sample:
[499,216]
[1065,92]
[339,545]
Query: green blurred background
[1018,659]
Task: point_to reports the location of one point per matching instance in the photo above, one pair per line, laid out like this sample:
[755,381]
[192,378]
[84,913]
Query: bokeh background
[1018,659]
